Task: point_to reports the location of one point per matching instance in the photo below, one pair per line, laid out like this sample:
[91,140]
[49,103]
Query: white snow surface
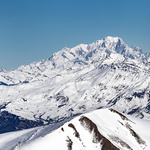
[124,132]
[79,80]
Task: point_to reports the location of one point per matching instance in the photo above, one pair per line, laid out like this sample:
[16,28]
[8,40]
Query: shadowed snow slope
[104,74]
[104,129]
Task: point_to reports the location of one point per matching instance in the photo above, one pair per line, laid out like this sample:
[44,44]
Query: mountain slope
[100,129]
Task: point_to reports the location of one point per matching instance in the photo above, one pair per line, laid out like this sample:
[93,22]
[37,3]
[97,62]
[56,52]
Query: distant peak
[112,39]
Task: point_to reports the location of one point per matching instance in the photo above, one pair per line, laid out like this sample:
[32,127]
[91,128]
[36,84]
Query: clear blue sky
[32,30]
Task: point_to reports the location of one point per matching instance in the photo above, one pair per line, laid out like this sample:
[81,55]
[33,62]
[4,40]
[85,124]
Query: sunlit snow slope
[104,129]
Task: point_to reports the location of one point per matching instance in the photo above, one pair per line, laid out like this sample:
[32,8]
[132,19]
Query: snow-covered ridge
[97,130]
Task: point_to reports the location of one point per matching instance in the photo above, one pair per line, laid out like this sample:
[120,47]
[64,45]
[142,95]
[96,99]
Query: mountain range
[105,74]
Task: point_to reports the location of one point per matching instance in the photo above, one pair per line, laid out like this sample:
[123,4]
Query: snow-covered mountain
[71,60]
[104,129]
[104,74]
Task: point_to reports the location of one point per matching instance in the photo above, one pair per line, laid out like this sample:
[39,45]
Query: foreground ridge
[98,130]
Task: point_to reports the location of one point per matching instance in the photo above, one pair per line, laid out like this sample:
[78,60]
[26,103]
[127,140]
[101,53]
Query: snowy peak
[111,42]
[117,45]
[99,48]
[112,39]
[106,43]
[83,54]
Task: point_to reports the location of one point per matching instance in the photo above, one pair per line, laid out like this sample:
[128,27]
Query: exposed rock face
[97,137]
